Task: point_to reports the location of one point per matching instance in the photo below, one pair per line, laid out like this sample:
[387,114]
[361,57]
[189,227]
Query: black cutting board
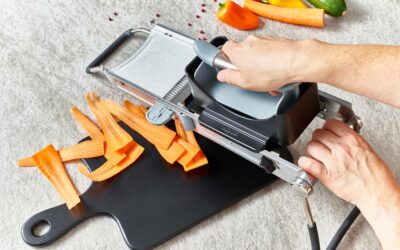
[153,201]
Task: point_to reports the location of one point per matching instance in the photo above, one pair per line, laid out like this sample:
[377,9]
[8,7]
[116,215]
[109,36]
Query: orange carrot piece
[198,161]
[85,149]
[138,110]
[172,154]
[190,162]
[50,164]
[91,128]
[116,137]
[108,170]
[190,152]
[160,136]
[26,162]
[301,16]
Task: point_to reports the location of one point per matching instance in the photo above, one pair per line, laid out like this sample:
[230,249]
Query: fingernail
[274,92]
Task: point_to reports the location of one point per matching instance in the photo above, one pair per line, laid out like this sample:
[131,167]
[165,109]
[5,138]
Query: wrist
[383,213]
[311,63]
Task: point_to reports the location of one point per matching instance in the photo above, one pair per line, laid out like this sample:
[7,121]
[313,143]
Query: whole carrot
[300,16]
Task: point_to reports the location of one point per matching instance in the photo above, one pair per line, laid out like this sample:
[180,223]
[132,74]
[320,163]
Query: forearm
[372,71]
[384,217]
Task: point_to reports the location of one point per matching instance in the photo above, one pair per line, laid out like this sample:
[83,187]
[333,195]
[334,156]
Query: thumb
[231,76]
[313,167]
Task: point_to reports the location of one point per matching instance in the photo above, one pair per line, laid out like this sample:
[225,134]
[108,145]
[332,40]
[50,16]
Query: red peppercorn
[197,16]
[115,13]
[201,32]
[158,15]
[203,10]
[189,24]
[110,19]
[205,39]
[203,5]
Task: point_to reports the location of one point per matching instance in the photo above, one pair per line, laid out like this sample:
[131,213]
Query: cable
[312,227]
[340,233]
[337,238]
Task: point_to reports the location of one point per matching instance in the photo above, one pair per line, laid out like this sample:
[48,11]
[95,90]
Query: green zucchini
[331,7]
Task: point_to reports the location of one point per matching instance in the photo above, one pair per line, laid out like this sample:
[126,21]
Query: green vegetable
[331,7]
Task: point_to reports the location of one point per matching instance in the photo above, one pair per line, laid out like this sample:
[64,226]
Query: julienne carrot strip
[301,16]
[188,160]
[108,170]
[160,136]
[116,137]
[173,153]
[85,149]
[138,110]
[93,131]
[50,164]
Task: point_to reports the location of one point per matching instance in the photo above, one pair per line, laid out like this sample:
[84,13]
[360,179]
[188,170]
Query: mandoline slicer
[166,75]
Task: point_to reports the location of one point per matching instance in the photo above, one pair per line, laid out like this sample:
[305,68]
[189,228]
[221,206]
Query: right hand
[348,166]
[264,64]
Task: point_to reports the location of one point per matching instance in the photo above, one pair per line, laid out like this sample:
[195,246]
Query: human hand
[347,165]
[264,64]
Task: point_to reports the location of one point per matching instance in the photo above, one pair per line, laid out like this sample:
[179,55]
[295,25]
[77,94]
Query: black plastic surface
[255,134]
[109,50]
[153,201]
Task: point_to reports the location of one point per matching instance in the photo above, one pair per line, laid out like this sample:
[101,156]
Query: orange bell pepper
[236,16]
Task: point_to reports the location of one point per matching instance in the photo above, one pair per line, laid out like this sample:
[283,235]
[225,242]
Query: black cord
[337,238]
[314,238]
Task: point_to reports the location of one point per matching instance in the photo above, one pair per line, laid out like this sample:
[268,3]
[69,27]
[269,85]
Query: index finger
[338,127]
[228,47]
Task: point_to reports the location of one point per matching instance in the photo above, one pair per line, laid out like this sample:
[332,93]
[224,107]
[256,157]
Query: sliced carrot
[160,136]
[50,164]
[85,149]
[187,160]
[190,152]
[26,162]
[108,170]
[96,134]
[138,110]
[198,161]
[93,131]
[116,137]
[172,154]
[301,16]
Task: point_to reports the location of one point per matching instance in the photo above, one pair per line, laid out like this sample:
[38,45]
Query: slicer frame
[167,107]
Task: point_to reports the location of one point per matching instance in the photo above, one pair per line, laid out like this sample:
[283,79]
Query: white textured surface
[44,48]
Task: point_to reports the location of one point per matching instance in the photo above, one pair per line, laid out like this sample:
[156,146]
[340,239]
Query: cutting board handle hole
[41,228]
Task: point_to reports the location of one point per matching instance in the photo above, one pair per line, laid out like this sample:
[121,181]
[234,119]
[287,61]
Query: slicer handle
[109,50]
[214,57]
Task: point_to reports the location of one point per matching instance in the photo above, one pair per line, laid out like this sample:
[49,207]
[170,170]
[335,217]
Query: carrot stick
[301,16]
[172,154]
[187,160]
[108,170]
[50,164]
[85,149]
[93,131]
[138,110]
[115,136]
[160,136]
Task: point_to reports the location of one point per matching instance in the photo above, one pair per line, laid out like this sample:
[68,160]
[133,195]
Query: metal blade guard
[163,75]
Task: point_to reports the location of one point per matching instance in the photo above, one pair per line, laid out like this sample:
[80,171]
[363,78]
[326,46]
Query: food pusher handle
[214,57]
[112,47]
